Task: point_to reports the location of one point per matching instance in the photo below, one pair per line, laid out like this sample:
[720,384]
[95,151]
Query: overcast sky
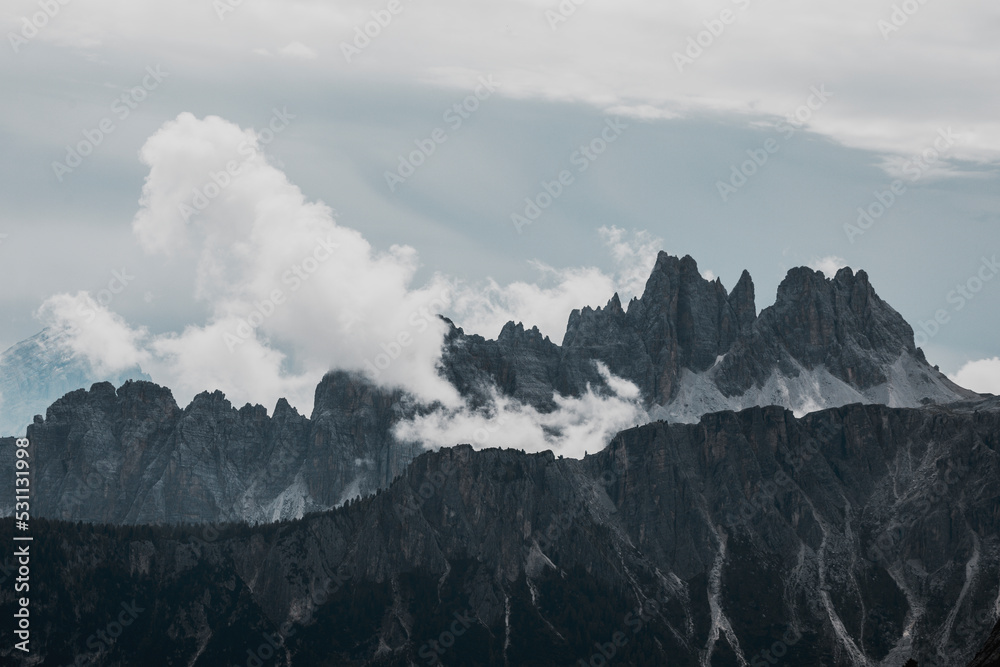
[746,133]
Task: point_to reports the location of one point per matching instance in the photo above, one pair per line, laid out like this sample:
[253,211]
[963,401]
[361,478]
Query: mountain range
[807,489]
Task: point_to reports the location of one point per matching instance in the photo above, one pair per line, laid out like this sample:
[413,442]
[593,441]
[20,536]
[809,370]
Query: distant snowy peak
[691,348]
[37,371]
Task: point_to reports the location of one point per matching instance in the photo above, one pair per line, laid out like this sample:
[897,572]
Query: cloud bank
[576,427]
[982,376]
[291,294]
[660,60]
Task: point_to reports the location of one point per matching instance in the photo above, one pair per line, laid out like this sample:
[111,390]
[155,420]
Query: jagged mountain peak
[615,305]
[692,348]
[514,332]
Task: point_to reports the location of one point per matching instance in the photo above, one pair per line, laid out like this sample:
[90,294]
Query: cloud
[982,376]
[616,56]
[277,270]
[548,303]
[92,332]
[577,425]
[298,50]
[828,265]
[291,294]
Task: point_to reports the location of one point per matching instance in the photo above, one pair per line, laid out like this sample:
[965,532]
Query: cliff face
[989,654]
[691,348]
[861,535]
[133,456]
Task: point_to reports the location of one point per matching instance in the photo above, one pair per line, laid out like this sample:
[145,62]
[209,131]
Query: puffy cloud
[277,270]
[982,376]
[291,294]
[577,425]
[548,303]
[828,265]
[94,333]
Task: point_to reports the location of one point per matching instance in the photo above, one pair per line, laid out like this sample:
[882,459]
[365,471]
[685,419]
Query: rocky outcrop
[691,348]
[134,456]
[989,654]
[861,535]
[39,370]
[841,325]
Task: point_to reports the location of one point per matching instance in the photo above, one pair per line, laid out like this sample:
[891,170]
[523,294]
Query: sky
[241,195]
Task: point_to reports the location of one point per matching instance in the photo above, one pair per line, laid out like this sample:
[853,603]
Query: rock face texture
[39,370]
[692,348]
[989,655]
[862,535]
[134,456]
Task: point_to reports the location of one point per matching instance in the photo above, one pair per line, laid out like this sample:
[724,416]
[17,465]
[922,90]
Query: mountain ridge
[746,530]
[125,455]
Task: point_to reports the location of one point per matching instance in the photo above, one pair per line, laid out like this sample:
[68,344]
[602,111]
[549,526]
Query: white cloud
[891,93]
[484,310]
[298,50]
[94,333]
[577,425]
[828,265]
[982,376]
[291,294]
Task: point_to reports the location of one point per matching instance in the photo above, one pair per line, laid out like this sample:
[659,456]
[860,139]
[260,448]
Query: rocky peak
[841,323]
[742,301]
[687,341]
[513,334]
